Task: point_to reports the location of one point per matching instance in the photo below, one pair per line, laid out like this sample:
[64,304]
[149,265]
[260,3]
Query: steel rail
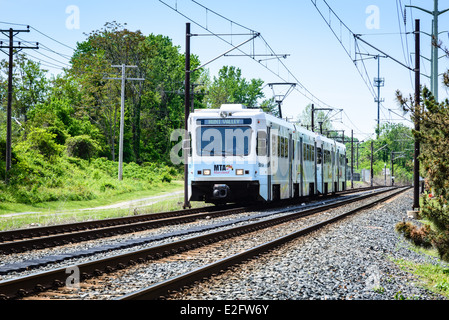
[23,286]
[74,237]
[162,289]
[22,240]
[24,233]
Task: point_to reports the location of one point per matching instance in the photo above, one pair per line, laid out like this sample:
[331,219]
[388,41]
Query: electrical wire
[307,94]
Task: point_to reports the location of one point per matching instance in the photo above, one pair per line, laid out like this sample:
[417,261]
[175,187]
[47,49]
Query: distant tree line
[77,112]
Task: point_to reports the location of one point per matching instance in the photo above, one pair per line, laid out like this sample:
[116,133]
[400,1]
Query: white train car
[241,155]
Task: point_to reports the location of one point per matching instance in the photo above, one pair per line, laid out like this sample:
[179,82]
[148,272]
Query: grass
[435,278]
[73,211]
[54,190]
[103,200]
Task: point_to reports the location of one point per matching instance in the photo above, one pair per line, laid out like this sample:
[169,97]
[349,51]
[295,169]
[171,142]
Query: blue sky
[315,57]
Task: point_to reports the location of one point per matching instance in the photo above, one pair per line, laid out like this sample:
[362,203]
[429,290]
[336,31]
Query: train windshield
[223,141]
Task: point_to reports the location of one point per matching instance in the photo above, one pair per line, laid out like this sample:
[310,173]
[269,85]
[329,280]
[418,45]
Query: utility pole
[352,159]
[417,116]
[392,168]
[378,82]
[313,118]
[122,114]
[186,117]
[10,33]
[372,158]
[434,49]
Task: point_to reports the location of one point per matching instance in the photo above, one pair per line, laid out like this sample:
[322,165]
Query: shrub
[82,147]
[420,236]
[41,140]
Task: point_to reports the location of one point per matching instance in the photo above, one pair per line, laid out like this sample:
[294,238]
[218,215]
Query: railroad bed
[350,260]
[335,263]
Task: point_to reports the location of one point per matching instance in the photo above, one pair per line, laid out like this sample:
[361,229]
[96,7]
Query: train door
[334,186]
[269,138]
[301,166]
[290,164]
[337,162]
[319,167]
[315,169]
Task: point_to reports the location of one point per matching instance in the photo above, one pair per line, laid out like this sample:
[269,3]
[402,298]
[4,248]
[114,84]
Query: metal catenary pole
[417,116]
[186,116]
[434,49]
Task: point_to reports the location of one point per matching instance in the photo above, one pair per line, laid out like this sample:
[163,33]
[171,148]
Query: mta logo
[222,167]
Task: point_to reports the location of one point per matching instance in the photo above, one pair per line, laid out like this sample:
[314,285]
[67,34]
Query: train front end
[223,164]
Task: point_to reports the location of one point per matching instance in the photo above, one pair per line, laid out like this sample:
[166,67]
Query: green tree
[434,166]
[154,107]
[82,147]
[30,85]
[231,87]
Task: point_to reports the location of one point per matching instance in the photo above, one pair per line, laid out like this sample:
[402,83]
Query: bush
[41,140]
[34,179]
[82,147]
[420,236]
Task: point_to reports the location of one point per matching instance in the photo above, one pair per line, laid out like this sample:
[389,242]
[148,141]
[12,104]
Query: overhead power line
[299,87]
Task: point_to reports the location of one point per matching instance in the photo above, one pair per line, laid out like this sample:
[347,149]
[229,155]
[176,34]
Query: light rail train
[238,154]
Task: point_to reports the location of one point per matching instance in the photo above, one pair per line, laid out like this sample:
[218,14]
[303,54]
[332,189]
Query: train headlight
[206,172]
[239,172]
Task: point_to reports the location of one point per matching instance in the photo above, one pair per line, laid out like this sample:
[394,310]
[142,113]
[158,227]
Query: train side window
[281,153]
[312,153]
[261,147]
[320,156]
[293,150]
[285,149]
[299,151]
[279,146]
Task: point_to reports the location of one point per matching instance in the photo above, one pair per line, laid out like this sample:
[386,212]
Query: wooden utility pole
[10,33]
[372,160]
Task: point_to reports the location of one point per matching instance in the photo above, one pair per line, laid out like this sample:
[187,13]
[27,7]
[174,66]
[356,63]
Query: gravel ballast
[351,260]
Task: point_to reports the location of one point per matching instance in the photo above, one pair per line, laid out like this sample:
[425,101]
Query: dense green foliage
[434,166]
[34,179]
[66,128]
[394,141]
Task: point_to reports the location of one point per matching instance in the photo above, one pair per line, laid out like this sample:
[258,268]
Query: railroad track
[32,284]
[164,288]
[21,240]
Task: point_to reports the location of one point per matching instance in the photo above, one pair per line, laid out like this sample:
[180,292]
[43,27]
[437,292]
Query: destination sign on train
[215,122]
